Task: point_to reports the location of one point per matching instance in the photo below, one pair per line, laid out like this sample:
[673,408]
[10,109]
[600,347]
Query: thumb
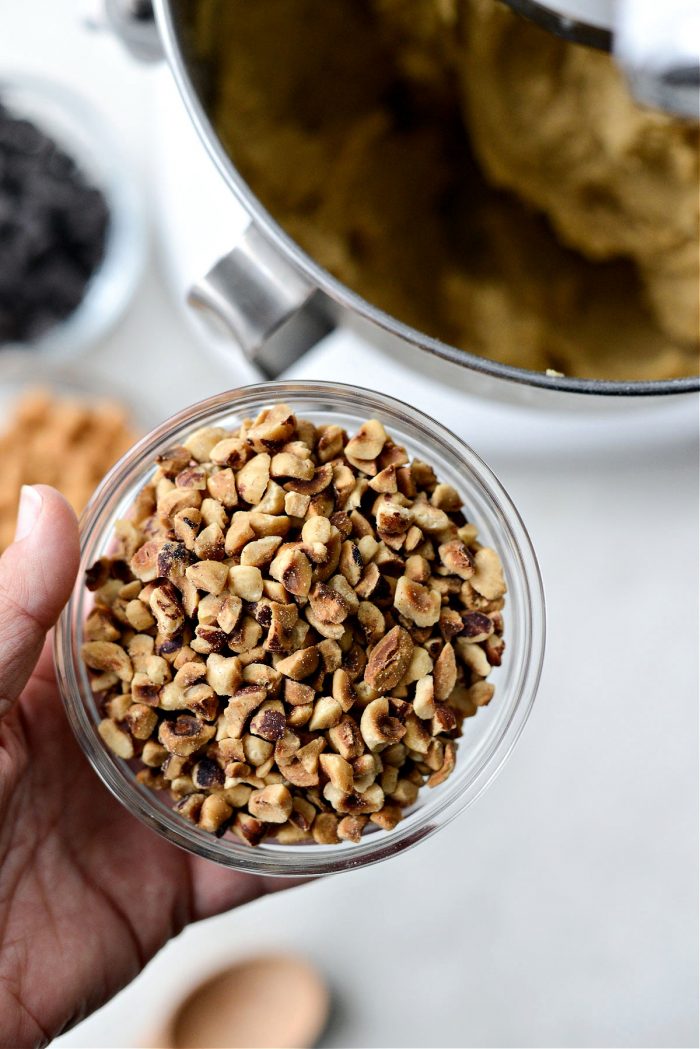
[37,573]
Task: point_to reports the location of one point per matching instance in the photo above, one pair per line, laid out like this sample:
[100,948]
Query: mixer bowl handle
[274,312]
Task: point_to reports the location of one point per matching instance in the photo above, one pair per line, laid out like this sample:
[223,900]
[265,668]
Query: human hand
[87,893]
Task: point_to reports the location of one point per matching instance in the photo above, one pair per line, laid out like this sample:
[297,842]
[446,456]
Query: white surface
[562,908]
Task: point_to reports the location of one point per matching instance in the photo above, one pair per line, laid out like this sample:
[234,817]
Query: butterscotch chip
[290,669]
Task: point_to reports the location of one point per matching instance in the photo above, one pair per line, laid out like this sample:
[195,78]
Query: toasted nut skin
[249,829]
[476,626]
[323,475]
[184,735]
[190,805]
[392,518]
[445,673]
[447,766]
[293,569]
[141,719]
[165,605]
[269,722]
[207,774]
[377,727]
[271,804]
[389,660]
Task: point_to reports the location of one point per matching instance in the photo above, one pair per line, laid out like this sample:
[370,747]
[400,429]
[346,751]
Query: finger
[37,573]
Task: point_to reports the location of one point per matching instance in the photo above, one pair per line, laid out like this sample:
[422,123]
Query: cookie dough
[556,124]
[384,161]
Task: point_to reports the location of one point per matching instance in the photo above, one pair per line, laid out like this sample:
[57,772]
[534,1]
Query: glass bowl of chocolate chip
[71,231]
[307,630]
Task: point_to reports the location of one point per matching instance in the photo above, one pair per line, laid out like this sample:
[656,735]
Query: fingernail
[30,503]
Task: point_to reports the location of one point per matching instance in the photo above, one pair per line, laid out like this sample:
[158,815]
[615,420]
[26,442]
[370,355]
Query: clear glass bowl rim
[304,860]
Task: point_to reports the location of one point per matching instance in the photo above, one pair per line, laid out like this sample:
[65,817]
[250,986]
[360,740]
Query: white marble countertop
[562,908]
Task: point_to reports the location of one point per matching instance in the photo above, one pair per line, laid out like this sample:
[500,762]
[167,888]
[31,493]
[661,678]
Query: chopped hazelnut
[141,719]
[300,664]
[327,712]
[424,700]
[211,576]
[271,804]
[117,739]
[488,579]
[269,722]
[240,706]
[184,735]
[261,551]
[286,465]
[107,656]
[456,558]
[293,569]
[215,811]
[272,428]
[418,603]
[316,649]
[252,479]
[325,829]
[389,660]
[296,504]
[447,766]
[350,828]
[445,673]
[377,727]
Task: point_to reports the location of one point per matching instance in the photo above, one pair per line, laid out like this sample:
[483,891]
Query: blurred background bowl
[84,135]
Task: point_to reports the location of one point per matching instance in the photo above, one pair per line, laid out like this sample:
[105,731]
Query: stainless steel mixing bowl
[277,301]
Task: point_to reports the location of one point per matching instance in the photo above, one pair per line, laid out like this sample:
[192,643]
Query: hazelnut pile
[292,628]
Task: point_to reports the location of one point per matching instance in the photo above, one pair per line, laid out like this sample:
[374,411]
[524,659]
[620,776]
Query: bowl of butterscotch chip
[307,629]
[60,434]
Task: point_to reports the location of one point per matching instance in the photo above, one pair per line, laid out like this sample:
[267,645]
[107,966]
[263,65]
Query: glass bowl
[488,737]
[80,131]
